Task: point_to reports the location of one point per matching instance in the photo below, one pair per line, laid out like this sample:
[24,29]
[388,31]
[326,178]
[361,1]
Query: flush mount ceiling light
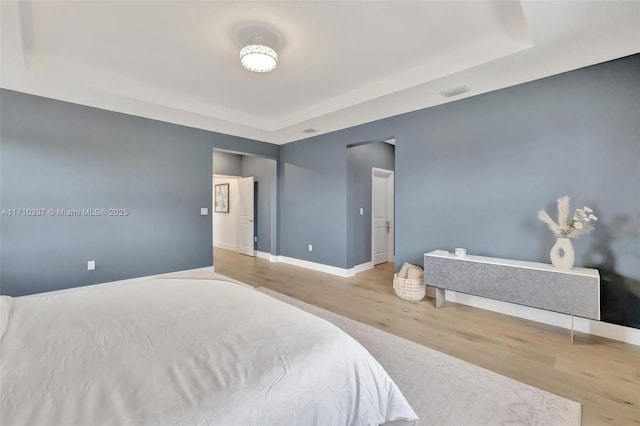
[258,58]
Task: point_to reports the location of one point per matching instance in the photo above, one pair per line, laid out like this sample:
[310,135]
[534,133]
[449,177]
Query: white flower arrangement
[569,226]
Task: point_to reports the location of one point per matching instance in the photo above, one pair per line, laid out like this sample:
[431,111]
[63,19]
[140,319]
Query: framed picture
[222,198]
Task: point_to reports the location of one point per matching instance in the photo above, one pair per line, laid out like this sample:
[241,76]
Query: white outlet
[91,265]
[204,211]
[255,239]
[310,247]
[361,211]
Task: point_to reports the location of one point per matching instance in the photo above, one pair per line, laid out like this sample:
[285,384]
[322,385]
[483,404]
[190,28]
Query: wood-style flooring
[602,374]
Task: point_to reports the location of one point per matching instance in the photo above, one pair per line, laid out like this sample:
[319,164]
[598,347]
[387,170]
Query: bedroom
[469,173]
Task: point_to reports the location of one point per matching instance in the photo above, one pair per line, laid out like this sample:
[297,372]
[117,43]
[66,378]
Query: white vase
[562,254]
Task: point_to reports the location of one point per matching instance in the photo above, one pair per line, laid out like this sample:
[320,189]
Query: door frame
[274,188]
[251,250]
[214,177]
[389,175]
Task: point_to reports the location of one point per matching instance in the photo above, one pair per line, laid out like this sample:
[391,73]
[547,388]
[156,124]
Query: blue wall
[313,204]
[312,197]
[470,173]
[65,156]
[473,174]
[225,163]
[360,160]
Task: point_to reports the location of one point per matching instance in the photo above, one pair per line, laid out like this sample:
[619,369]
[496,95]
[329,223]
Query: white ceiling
[340,63]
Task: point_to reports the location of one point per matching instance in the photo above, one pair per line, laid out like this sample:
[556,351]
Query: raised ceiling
[340,63]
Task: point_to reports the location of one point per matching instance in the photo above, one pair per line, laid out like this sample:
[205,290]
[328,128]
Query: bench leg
[439,297]
[572,329]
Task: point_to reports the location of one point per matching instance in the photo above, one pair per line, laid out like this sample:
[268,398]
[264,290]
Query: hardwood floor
[602,374]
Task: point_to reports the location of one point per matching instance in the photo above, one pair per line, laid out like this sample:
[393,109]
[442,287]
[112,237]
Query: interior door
[379,220]
[245,223]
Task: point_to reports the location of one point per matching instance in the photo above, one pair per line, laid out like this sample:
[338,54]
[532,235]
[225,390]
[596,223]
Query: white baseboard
[341,272]
[361,268]
[225,246]
[206,268]
[598,328]
[263,254]
[321,267]
[270,257]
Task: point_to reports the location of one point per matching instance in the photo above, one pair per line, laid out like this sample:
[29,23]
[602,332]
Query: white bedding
[178,352]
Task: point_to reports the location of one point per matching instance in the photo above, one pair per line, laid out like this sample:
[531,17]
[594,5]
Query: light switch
[204,211]
[361,211]
[310,247]
[91,265]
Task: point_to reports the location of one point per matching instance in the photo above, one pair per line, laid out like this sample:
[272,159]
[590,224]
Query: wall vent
[309,130]
[455,91]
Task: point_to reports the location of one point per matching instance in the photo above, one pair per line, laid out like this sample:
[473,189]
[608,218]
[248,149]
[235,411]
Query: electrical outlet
[255,239]
[204,211]
[91,265]
[361,211]
[310,247]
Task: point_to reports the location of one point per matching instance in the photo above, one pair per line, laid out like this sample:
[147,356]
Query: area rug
[444,390]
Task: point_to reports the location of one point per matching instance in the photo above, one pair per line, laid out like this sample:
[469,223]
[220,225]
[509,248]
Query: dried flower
[569,226]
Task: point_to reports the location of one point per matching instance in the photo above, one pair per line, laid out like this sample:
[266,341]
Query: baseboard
[321,267]
[226,246]
[598,328]
[361,268]
[263,255]
[206,268]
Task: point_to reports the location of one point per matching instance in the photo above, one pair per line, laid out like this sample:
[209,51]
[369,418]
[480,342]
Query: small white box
[91,265]
[204,211]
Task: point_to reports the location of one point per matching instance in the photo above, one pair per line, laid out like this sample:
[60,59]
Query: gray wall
[225,163]
[360,160]
[473,174]
[314,202]
[263,171]
[312,197]
[60,155]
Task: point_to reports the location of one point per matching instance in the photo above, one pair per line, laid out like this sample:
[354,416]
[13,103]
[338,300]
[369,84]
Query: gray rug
[444,390]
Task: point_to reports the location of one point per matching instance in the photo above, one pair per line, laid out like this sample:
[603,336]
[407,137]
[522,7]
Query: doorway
[246,231]
[248,226]
[382,216]
[233,214]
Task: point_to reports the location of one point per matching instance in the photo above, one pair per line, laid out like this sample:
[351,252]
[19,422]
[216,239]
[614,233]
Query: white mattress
[174,352]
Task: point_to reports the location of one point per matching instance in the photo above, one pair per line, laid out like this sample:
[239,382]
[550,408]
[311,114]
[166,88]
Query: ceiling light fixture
[258,57]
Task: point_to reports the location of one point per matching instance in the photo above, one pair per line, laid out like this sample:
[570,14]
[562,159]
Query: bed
[184,352]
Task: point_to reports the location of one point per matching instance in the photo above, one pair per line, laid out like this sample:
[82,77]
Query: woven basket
[412,289]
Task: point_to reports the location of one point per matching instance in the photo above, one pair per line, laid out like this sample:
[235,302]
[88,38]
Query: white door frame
[390,176]
[232,210]
[275,214]
[246,221]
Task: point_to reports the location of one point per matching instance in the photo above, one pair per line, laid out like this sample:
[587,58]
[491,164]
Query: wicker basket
[412,290]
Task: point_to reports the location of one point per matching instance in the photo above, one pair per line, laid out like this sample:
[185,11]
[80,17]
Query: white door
[382,216]
[245,224]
